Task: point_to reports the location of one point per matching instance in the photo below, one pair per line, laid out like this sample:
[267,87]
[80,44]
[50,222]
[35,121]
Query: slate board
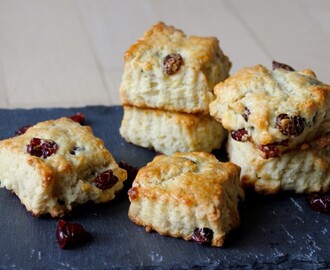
[279,232]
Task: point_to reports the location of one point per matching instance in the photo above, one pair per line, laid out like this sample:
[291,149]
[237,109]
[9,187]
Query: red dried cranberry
[277,65]
[41,148]
[131,170]
[133,193]
[240,135]
[78,117]
[105,180]
[22,130]
[202,236]
[172,63]
[70,234]
[272,149]
[246,114]
[318,202]
[290,126]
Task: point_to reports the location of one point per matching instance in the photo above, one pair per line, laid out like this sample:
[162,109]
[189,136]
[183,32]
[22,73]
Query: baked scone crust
[303,170]
[174,195]
[255,97]
[190,89]
[56,183]
[169,132]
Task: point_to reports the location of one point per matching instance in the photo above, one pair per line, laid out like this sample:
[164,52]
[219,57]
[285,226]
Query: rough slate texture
[276,232]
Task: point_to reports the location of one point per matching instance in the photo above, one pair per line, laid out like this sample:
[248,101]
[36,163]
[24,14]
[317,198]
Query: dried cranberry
[41,148]
[78,117]
[105,180]
[202,236]
[272,149]
[246,114]
[240,135]
[132,193]
[277,65]
[290,126]
[22,130]
[131,170]
[318,202]
[172,63]
[70,234]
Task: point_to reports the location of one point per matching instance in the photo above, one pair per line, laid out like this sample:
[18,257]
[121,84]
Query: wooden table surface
[63,53]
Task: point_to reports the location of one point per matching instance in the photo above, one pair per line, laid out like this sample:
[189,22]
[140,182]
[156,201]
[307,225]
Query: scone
[275,110]
[188,195]
[169,70]
[169,132]
[57,164]
[303,170]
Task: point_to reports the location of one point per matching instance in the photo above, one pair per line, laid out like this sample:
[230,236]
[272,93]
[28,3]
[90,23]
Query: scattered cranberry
[132,193]
[272,149]
[318,202]
[70,234]
[290,126]
[78,117]
[41,148]
[105,180]
[22,130]
[172,63]
[277,65]
[240,135]
[131,170]
[202,236]
[246,114]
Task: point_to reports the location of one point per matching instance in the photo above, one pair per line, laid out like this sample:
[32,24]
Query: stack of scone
[166,90]
[279,124]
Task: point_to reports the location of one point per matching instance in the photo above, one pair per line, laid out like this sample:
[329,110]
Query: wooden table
[63,53]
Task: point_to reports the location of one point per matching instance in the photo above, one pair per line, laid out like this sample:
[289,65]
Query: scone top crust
[187,85]
[276,110]
[194,179]
[55,183]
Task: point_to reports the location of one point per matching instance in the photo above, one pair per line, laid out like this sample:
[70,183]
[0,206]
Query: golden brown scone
[169,132]
[304,170]
[168,70]
[187,195]
[57,164]
[275,110]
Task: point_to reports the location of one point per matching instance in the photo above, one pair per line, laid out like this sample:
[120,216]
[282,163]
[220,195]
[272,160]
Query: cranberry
[320,203]
[133,193]
[240,135]
[78,117]
[202,236]
[70,234]
[277,65]
[172,63]
[246,114]
[131,170]
[41,148]
[290,126]
[22,130]
[272,149]
[105,180]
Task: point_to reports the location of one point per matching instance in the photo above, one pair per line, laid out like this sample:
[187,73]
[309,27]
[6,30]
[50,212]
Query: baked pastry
[303,170]
[275,110]
[169,70]
[169,132]
[188,195]
[56,164]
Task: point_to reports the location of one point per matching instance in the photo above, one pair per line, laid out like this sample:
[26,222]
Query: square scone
[187,195]
[57,164]
[168,70]
[169,132]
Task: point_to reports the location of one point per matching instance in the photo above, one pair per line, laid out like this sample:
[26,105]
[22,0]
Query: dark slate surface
[278,232]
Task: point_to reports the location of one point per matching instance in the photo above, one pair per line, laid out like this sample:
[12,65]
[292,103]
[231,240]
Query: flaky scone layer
[56,183]
[174,195]
[169,132]
[145,82]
